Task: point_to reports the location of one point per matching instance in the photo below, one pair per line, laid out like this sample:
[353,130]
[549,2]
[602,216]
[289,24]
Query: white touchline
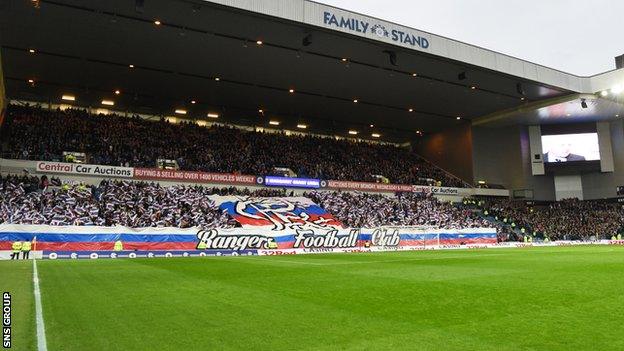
[41,338]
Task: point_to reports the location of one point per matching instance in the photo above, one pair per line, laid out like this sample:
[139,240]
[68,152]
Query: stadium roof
[236,57]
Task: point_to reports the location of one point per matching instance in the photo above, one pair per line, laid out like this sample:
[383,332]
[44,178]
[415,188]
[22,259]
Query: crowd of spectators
[569,219]
[140,204]
[35,133]
[363,210]
[131,204]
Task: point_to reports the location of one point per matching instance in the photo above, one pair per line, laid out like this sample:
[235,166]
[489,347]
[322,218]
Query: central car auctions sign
[195,177]
[83,169]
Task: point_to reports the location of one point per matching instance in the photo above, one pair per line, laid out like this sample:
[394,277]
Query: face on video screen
[570,147]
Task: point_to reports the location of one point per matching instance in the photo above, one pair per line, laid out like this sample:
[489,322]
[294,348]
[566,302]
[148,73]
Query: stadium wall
[603,185]
[494,155]
[450,150]
[503,156]
[3,101]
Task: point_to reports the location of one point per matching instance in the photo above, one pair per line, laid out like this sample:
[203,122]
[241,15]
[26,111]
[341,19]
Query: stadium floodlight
[307,40]
[32,51]
[193,102]
[139,6]
[31,81]
[372,126]
[68,97]
[583,103]
[355,101]
[274,123]
[157,22]
[375,135]
[259,42]
[302,126]
[131,66]
[292,91]
[213,115]
[392,56]
[458,118]
[180,111]
[217,79]
[353,132]
[604,93]
[473,87]
[117,92]
[411,110]
[414,74]
[108,102]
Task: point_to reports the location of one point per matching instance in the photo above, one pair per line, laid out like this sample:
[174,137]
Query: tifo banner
[387,237]
[91,238]
[84,169]
[277,213]
[195,177]
[242,241]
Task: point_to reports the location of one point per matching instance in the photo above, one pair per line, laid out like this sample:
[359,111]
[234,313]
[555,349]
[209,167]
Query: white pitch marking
[41,338]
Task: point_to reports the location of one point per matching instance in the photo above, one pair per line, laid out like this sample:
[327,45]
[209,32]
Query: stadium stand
[35,133]
[28,200]
[405,209]
[42,134]
[569,219]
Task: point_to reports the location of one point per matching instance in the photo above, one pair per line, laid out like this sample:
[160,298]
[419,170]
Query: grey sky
[576,36]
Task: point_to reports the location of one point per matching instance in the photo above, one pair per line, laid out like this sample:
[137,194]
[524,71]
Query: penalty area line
[41,338]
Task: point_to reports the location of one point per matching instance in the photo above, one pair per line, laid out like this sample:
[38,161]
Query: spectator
[569,219]
[142,204]
[114,140]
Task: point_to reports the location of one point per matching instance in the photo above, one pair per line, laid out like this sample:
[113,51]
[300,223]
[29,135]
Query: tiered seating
[33,133]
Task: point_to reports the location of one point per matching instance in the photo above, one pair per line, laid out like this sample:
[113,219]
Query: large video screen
[570,147]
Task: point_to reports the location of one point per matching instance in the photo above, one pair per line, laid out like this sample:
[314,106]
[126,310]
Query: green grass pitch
[568,298]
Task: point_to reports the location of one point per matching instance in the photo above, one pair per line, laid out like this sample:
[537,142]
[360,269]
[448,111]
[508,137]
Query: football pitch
[567,298]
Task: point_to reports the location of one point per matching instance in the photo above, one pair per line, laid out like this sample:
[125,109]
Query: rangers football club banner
[93,242]
[277,213]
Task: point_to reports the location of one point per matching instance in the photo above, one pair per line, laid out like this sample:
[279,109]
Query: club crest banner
[277,213]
